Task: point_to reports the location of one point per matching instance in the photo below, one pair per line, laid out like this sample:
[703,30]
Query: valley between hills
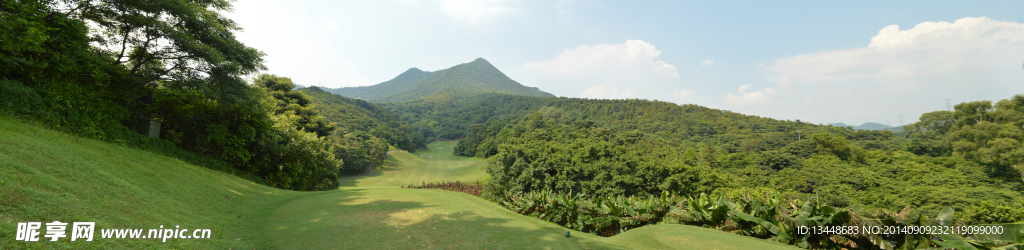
[142,115]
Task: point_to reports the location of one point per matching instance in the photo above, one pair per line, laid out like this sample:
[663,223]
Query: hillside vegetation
[103,69]
[636,147]
[362,129]
[372,209]
[448,115]
[600,166]
[188,74]
[475,77]
[47,175]
[374,93]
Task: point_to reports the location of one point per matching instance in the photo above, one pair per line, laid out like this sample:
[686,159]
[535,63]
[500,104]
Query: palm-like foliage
[767,217]
[603,216]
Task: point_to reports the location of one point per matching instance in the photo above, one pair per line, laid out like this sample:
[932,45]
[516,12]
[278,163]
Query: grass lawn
[373,209]
[47,176]
[395,218]
[432,165]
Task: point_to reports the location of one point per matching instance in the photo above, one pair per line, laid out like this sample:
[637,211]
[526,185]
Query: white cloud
[413,2]
[602,91]
[682,93]
[475,11]
[898,60]
[707,62]
[628,66]
[584,60]
[972,58]
[331,25]
[746,99]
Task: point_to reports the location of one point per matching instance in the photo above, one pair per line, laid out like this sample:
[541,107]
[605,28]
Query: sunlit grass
[432,165]
[47,176]
[51,176]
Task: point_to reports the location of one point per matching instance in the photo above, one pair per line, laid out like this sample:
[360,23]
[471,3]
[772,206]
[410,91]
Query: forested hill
[638,147]
[399,84]
[475,77]
[359,118]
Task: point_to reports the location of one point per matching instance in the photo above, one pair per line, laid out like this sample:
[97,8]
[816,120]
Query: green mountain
[471,78]
[869,126]
[874,126]
[359,116]
[382,90]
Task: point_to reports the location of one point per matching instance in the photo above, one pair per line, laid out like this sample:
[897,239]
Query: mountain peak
[479,63]
[477,76]
[481,60]
[412,71]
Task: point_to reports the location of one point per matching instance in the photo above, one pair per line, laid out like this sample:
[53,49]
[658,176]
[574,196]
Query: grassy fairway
[688,237]
[371,210]
[395,218]
[47,176]
[433,165]
[378,217]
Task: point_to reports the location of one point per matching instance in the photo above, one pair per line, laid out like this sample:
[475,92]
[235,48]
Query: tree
[186,43]
[294,102]
[778,160]
[933,132]
[970,113]
[708,156]
[837,145]
[970,138]
[1010,111]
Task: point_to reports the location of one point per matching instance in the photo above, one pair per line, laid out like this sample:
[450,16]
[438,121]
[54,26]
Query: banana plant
[1010,239]
[610,214]
[700,211]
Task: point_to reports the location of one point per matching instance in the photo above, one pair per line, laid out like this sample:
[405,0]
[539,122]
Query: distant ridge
[869,126]
[475,77]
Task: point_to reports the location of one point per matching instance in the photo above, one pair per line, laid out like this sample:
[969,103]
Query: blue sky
[821,61]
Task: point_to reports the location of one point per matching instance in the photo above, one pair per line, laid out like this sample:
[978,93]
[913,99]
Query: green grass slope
[49,176]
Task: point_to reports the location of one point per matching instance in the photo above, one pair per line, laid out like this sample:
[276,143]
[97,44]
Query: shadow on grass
[391,218]
[388,164]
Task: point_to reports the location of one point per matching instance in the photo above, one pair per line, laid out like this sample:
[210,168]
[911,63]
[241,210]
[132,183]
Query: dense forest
[360,125]
[448,114]
[605,166]
[638,147]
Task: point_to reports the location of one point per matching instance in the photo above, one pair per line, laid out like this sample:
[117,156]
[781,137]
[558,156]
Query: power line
[888,117]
